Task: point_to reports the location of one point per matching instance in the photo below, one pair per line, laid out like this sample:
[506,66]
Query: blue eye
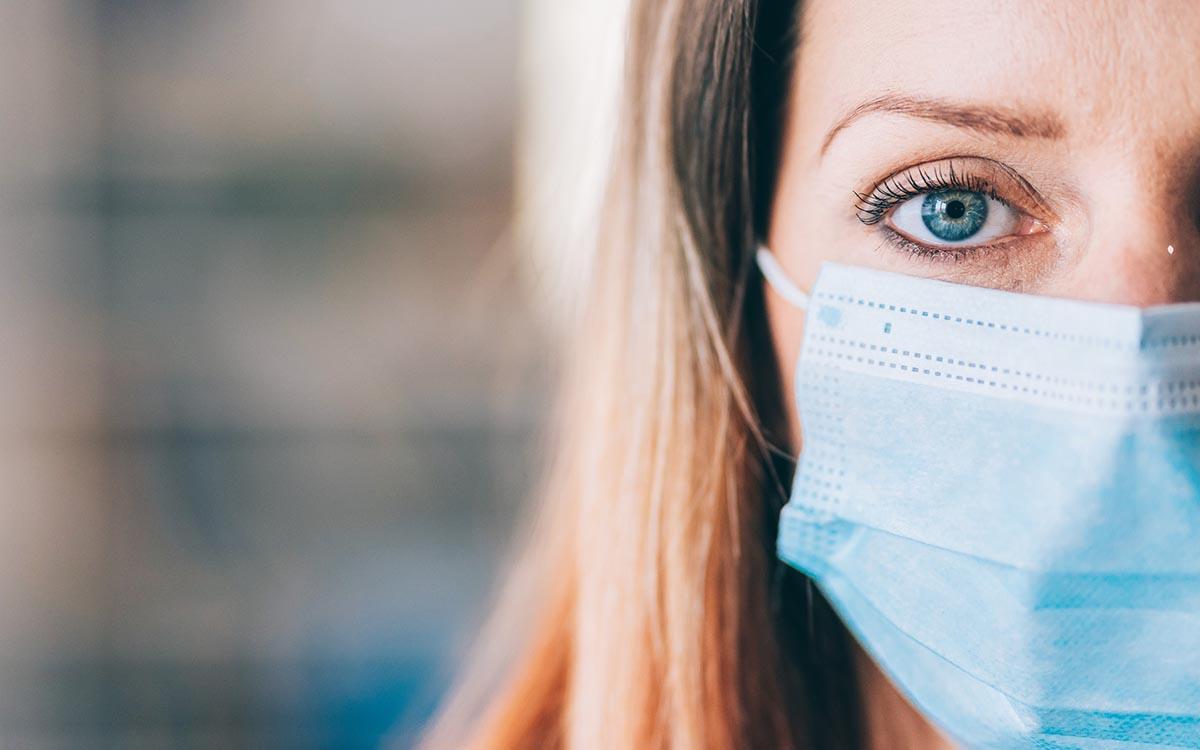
[954,215]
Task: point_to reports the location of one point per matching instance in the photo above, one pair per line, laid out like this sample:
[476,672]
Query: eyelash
[874,206]
[917,250]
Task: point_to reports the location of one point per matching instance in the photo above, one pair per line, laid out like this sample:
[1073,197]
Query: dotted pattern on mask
[1160,342]
[810,522]
[1146,729]
[1158,397]
[809,526]
[811,538]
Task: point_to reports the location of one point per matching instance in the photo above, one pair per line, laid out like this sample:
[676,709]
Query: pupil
[955,209]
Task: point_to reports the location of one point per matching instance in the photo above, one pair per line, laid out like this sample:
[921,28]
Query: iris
[953,215]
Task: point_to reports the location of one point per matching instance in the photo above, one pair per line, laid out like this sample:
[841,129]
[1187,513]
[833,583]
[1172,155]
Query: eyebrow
[980,118]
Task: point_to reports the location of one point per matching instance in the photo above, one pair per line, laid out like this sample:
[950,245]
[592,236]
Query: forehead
[1111,69]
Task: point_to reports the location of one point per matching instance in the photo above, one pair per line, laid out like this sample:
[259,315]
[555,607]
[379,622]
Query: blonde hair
[650,611]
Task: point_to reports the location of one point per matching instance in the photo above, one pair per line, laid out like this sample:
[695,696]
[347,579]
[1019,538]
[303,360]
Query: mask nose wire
[778,278]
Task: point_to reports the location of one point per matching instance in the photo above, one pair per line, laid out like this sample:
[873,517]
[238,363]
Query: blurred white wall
[571,65]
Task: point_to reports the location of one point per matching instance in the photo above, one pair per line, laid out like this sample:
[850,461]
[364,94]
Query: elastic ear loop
[778,278]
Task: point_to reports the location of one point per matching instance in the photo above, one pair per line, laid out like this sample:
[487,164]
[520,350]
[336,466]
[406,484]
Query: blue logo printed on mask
[829,315]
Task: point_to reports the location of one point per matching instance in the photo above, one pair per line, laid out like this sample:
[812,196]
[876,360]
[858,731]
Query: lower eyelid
[937,253]
[960,253]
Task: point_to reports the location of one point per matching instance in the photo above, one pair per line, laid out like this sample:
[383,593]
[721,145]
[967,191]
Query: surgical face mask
[1000,495]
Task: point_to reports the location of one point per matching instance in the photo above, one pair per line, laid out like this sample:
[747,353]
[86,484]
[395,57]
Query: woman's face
[1043,147]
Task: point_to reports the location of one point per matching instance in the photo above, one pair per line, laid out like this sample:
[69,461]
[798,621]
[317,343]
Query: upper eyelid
[947,158]
[1039,208]
[884,196]
[902,186]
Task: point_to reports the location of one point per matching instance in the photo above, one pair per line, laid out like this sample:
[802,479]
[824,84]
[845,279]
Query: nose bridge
[1144,245]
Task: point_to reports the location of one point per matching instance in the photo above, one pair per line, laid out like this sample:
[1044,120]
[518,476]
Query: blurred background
[280,282]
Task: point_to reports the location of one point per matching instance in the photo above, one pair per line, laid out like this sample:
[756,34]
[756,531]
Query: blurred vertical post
[52,520]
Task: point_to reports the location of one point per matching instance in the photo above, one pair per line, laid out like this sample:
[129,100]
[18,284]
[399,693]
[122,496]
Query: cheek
[787,329]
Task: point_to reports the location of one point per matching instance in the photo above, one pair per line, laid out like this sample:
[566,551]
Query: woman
[1051,149]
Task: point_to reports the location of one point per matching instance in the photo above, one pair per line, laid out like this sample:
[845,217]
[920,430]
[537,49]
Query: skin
[1092,136]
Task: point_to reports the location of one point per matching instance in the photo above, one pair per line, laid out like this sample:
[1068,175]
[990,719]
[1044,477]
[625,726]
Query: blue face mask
[1000,495]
